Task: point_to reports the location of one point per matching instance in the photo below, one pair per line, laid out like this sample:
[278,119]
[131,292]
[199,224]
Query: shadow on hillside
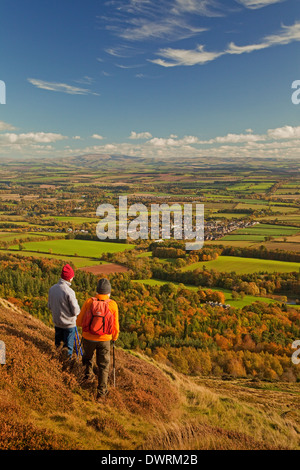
[140,387]
[40,342]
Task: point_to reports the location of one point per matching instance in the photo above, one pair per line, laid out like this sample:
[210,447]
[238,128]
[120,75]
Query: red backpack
[98,320]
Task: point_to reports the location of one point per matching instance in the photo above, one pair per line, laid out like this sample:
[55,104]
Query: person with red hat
[64,308]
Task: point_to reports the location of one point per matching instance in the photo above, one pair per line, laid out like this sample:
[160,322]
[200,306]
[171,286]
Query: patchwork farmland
[51,213]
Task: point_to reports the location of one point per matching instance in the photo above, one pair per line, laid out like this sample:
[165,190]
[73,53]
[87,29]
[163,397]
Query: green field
[244,265]
[228,215]
[268,230]
[75,220]
[286,219]
[10,236]
[76,260]
[81,248]
[257,233]
[250,187]
[258,206]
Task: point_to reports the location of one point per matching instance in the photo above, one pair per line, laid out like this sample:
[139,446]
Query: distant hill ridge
[95,159]
[44,403]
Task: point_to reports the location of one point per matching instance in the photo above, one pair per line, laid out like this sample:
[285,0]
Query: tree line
[171,323]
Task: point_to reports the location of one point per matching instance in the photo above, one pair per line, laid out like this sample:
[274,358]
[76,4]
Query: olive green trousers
[102,349]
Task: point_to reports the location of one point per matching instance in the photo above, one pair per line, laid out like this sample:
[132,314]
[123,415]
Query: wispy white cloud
[207,8]
[30,138]
[290,133]
[86,80]
[286,132]
[279,133]
[126,67]
[235,139]
[97,136]
[121,51]
[138,21]
[29,143]
[286,35]
[177,57]
[173,141]
[280,142]
[234,49]
[140,135]
[199,56]
[60,87]
[4,126]
[106,74]
[255,4]
[169,28]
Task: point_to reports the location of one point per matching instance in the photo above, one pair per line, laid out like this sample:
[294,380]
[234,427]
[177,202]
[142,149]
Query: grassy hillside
[44,403]
[84,248]
[245,265]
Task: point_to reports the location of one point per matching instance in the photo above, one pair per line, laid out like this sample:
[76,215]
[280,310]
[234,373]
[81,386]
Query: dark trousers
[102,349]
[65,336]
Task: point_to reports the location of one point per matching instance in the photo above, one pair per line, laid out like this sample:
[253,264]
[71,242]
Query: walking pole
[77,341]
[114,364]
[79,344]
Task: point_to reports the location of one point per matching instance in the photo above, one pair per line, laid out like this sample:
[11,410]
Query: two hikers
[98,318]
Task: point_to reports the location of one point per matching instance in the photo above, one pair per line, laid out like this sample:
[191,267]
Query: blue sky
[150,78]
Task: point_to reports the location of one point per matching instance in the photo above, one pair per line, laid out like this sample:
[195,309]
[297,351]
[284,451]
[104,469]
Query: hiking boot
[101,394]
[89,378]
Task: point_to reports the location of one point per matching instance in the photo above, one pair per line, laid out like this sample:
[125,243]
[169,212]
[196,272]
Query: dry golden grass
[228,415]
[44,403]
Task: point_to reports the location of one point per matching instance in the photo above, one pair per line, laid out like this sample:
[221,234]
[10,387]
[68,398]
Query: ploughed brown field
[105,269]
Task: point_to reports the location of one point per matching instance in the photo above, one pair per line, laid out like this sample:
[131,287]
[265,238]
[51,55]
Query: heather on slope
[44,403]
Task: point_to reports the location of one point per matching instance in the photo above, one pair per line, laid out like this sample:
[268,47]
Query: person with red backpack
[99,320]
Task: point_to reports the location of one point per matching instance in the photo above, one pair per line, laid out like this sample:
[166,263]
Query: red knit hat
[67,272]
